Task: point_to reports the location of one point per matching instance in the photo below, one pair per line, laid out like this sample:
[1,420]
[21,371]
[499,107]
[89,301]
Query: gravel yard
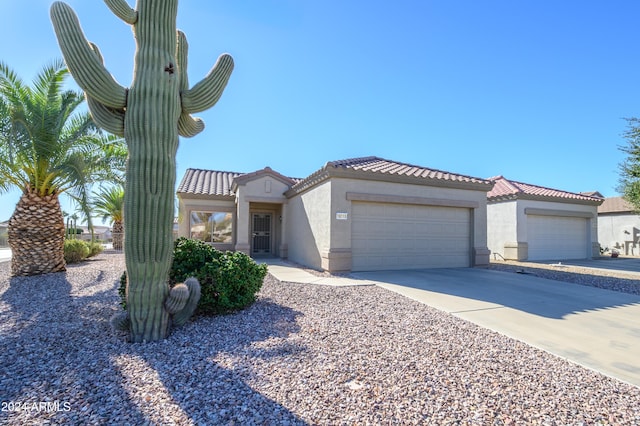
[302,354]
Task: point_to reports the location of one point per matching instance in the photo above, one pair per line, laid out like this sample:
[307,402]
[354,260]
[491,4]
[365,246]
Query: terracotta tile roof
[615,205]
[380,165]
[509,189]
[596,194]
[207,182]
[267,171]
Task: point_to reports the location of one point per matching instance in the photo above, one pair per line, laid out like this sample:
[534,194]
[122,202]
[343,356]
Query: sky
[534,90]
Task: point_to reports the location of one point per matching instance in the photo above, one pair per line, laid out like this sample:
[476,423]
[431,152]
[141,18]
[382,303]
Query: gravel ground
[302,354]
[601,278]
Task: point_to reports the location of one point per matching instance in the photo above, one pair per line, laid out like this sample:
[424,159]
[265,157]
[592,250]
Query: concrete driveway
[596,328]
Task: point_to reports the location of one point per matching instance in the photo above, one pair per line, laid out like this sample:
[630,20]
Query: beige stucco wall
[611,232]
[501,229]
[308,225]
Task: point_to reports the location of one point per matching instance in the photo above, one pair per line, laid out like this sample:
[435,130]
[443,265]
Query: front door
[261,241]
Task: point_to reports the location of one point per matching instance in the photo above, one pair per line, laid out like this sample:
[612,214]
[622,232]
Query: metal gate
[261,243]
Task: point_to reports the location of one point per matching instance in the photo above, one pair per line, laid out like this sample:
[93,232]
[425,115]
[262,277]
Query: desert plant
[75,251]
[95,248]
[229,281]
[109,203]
[151,114]
[47,147]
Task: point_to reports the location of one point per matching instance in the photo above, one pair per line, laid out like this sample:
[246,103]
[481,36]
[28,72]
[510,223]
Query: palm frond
[109,203]
[48,146]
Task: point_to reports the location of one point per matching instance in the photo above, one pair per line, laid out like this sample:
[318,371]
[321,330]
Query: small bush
[94,248]
[236,280]
[229,281]
[75,251]
[190,256]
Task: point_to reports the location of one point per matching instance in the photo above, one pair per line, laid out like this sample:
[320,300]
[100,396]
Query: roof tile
[207,182]
[380,165]
[505,188]
[615,205]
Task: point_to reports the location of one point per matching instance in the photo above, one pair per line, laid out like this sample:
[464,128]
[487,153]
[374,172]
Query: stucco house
[619,226]
[357,214]
[530,222]
[4,232]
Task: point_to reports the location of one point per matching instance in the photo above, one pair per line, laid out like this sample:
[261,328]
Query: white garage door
[557,238]
[399,236]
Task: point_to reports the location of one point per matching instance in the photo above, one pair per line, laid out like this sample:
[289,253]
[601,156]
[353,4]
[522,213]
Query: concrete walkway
[595,328]
[284,271]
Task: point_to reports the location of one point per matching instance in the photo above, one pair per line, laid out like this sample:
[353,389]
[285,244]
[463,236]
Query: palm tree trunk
[36,235]
[118,234]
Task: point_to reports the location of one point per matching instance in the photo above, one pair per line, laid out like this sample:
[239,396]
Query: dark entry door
[261,233]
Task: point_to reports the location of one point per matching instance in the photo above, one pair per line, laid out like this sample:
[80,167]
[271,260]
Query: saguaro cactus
[151,114]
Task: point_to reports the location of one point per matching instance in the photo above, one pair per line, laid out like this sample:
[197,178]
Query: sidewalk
[284,271]
[5,254]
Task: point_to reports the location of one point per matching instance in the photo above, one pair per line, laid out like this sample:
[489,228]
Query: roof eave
[331,171]
[200,196]
[267,171]
[534,197]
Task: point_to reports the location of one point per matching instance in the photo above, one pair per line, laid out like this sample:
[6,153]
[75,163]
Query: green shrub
[94,248]
[74,231]
[75,251]
[190,256]
[236,280]
[229,281]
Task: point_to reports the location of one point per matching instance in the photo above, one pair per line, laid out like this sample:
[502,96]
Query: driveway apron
[598,329]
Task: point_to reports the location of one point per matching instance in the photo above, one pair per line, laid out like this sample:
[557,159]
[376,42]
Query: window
[212,227]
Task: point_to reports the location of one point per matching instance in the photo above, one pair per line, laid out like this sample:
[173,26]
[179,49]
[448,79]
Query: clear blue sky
[535,90]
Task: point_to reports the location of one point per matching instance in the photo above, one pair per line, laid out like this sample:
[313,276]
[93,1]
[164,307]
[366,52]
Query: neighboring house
[358,214]
[619,226]
[4,233]
[529,222]
[101,233]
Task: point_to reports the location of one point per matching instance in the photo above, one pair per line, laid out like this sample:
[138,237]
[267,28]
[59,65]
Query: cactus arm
[110,119]
[120,321]
[182,52]
[84,65]
[181,317]
[177,298]
[187,125]
[206,93]
[121,9]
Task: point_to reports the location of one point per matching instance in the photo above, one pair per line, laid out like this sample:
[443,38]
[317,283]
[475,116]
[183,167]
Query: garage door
[399,236]
[557,238]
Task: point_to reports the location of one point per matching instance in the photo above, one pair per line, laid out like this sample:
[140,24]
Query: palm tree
[109,203]
[47,148]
